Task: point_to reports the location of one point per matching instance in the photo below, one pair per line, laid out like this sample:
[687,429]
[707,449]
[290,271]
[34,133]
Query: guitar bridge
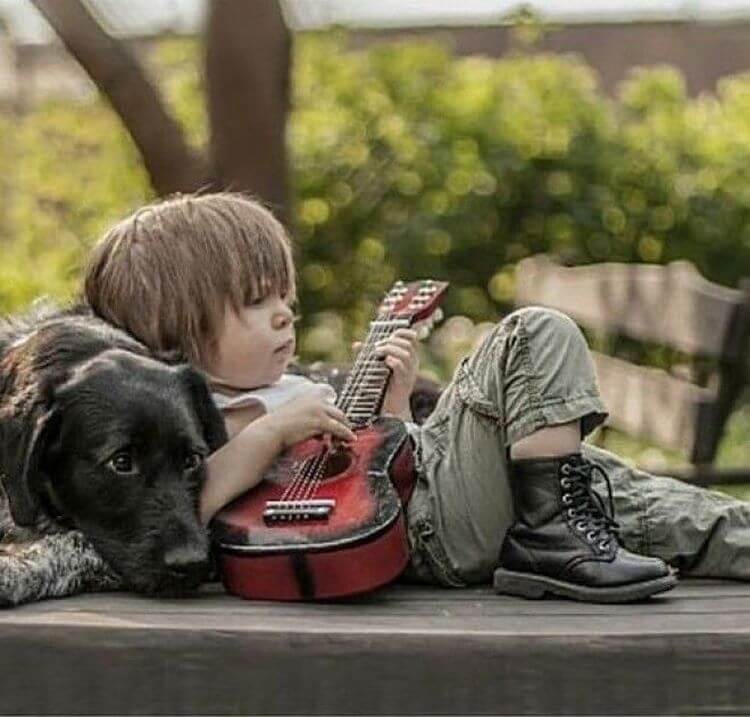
[278,511]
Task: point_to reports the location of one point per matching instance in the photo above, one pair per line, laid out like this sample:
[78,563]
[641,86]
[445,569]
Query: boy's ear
[25,440]
[214,428]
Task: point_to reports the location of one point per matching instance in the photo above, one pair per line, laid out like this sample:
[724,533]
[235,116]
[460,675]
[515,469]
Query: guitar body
[360,544]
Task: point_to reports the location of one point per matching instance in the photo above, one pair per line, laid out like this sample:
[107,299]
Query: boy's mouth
[286,347]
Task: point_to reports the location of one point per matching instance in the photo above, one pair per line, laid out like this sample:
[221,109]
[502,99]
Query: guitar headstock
[417,302]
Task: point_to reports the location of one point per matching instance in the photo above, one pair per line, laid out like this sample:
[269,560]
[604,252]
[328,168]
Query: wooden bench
[672,305]
[402,650]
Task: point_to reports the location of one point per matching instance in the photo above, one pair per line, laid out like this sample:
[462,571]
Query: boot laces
[585,507]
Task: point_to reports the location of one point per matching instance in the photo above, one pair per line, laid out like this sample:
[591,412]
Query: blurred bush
[409,163]
[66,172]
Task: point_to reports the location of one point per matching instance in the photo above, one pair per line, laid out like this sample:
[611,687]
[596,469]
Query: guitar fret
[396,323]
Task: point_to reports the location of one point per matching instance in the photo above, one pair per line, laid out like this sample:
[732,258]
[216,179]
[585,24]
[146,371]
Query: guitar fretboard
[365,387]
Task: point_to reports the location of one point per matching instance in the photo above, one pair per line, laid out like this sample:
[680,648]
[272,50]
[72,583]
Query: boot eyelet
[590,535]
[603,545]
[580,526]
[572,513]
[565,470]
[566,499]
[565,483]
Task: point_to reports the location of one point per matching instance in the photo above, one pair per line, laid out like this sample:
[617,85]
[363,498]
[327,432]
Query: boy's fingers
[340,430]
[403,343]
[408,334]
[398,352]
[337,414]
[396,364]
[398,340]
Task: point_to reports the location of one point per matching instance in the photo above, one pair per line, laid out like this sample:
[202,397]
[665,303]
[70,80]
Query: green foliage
[407,162]
[68,171]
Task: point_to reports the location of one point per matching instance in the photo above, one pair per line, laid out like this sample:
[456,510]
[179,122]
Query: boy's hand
[399,351]
[310,415]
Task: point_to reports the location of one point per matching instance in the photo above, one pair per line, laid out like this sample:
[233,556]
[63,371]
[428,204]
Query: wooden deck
[404,650]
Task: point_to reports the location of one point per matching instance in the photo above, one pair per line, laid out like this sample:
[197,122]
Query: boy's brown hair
[167,272]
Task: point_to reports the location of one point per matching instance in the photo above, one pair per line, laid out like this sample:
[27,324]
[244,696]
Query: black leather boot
[564,543]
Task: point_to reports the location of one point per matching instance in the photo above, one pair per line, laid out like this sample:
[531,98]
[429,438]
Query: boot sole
[531,586]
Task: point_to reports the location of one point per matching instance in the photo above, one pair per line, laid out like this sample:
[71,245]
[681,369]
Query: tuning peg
[437,315]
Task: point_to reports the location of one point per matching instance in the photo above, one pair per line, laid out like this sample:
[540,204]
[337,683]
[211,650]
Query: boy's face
[255,346]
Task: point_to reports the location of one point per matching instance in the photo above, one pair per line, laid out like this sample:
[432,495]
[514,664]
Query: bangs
[252,254]
[265,273]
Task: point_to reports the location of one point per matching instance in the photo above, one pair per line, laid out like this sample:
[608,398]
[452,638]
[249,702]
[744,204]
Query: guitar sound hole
[337,463]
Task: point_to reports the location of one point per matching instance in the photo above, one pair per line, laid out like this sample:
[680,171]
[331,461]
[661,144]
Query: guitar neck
[365,387]
[404,305]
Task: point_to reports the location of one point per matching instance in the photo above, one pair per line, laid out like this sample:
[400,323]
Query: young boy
[505,487]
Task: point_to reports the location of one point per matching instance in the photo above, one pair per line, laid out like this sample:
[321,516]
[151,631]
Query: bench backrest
[672,305]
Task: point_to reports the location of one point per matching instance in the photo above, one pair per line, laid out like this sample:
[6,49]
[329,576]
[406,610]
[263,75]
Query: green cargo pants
[534,370]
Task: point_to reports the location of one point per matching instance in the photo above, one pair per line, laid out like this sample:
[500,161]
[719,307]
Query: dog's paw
[56,565]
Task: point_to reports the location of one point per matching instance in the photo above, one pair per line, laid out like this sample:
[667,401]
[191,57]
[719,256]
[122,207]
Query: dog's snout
[189,562]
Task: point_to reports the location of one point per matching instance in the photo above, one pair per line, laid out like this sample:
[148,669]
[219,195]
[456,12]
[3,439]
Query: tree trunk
[171,164]
[247,70]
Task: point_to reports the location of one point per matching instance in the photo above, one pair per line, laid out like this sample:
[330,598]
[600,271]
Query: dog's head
[118,449]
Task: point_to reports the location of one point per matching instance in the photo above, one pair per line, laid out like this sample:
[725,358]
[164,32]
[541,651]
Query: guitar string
[306,475]
[309,467]
[352,382]
[317,478]
[309,474]
[369,404]
[349,396]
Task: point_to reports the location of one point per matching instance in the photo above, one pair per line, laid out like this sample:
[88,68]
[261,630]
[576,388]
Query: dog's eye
[193,461]
[122,463]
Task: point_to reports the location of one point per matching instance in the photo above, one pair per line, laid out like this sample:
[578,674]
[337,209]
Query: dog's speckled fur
[47,562]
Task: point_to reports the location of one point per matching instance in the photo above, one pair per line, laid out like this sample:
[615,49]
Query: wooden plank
[670,304]
[404,650]
[650,403]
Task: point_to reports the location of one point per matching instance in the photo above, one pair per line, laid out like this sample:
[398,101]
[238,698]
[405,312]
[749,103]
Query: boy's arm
[239,465]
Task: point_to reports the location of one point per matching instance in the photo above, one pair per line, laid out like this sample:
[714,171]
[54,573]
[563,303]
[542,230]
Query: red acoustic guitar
[327,519]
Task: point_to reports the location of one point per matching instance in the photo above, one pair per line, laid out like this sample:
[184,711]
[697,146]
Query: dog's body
[101,460]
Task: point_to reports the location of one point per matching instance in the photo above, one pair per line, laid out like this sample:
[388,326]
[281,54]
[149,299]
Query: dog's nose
[187,561]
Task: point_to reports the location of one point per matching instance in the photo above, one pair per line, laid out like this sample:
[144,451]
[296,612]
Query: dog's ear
[171,357]
[25,443]
[214,428]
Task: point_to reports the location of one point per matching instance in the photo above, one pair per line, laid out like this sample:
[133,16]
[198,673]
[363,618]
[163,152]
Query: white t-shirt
[289,386]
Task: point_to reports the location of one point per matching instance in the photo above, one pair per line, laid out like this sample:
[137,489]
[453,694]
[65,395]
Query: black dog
[102,450]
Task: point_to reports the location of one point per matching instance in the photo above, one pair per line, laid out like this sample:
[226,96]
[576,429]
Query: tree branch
[171,164]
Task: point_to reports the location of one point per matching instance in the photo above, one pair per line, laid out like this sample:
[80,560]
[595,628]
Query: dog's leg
[53,565]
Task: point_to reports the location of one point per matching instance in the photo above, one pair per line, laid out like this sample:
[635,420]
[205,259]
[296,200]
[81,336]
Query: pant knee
[550,325]
[543,315]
